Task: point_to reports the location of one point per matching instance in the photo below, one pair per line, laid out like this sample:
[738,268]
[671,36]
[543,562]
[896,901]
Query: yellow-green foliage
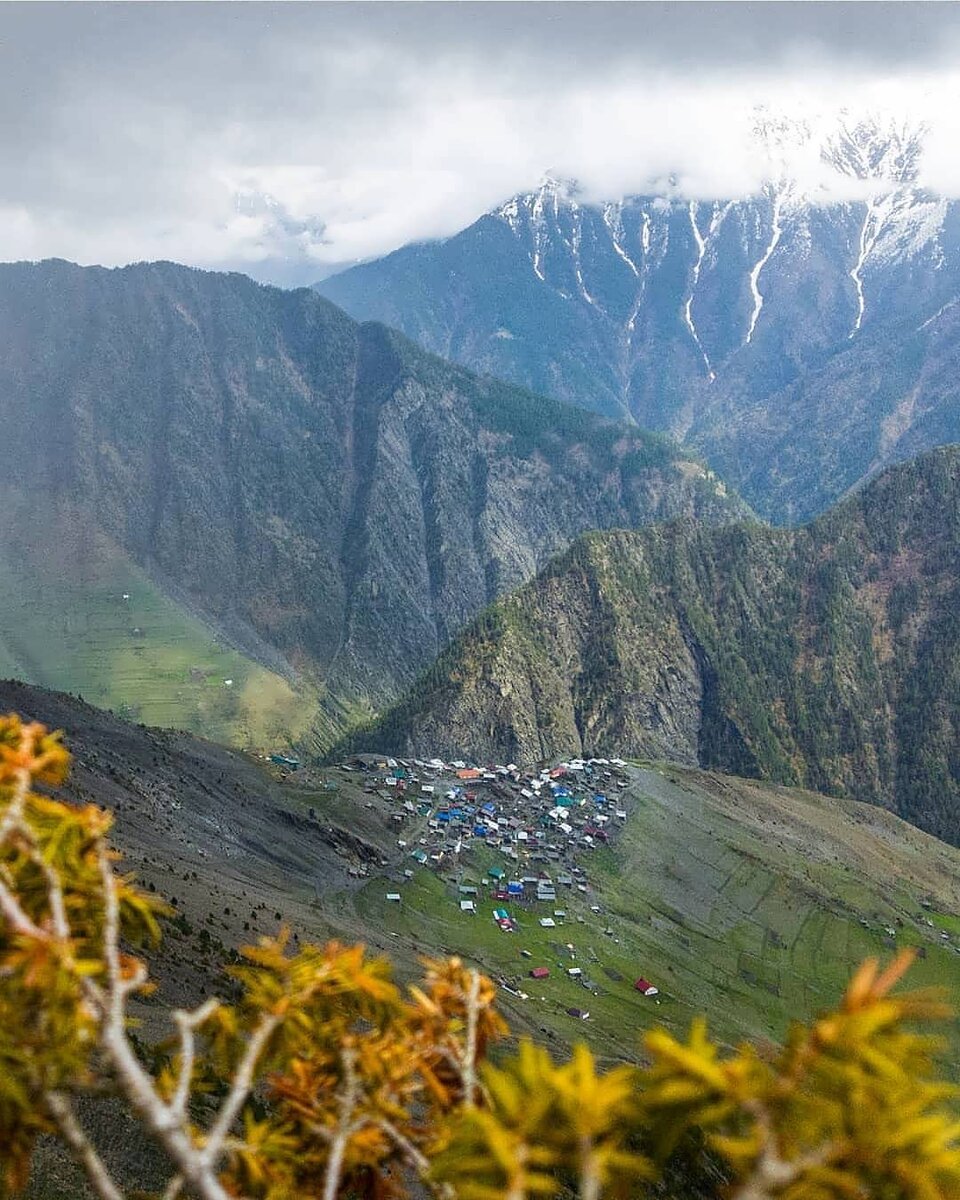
[325,1079]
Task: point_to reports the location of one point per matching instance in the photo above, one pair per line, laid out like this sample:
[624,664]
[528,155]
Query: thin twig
[346,1127]
[239,1089]
[772,1173]
[15,917]
[13,817]
[188,1023]
[173,1188]
[470,1051]
[416,1157]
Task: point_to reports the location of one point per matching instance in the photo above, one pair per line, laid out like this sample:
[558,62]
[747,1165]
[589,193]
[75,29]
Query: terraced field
[103,630]
[749,903]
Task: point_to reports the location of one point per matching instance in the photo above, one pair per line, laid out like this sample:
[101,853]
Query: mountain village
[513,845]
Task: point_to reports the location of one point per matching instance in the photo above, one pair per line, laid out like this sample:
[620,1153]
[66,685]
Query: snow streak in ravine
[688,307]
[775,231]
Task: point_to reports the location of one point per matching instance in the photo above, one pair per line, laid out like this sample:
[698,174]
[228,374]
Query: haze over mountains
[800,341]
[320,495]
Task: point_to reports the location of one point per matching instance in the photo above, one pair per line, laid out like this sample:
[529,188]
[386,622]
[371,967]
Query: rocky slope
[827,656]
[331,500]
[771,332]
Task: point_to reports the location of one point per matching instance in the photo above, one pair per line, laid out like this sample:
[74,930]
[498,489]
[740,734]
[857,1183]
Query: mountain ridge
[327,496]
[823,656]
[682,312]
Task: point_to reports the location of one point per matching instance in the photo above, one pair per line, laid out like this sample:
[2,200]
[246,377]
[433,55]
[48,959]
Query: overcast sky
[281,139]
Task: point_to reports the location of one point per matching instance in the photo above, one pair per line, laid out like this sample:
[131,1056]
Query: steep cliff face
[826,656]
[772,332]
[332,499]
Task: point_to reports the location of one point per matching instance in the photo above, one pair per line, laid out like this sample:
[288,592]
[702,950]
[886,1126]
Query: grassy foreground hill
[826,656]
[748,902]
[326,499]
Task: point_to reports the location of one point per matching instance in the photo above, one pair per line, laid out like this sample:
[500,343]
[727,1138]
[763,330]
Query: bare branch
[347,1103]
[84,1151]
[589,1172]
[470,1051]
[415,1157]
[13,817]
[239,1089]
[15,917]
[58,910]
[772,1173]
[187,1023]
[173,1188]
[12,822]
[135,1082]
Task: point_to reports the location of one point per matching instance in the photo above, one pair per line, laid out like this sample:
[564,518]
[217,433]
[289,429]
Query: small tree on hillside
[323,1079]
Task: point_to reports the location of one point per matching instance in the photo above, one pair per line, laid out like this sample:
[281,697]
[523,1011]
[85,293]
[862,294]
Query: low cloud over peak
[284,139]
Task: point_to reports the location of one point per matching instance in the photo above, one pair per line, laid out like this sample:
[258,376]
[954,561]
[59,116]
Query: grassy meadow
[748,903]
[107,633]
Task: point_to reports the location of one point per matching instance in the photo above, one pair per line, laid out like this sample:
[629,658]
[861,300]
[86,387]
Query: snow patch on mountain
[701,245]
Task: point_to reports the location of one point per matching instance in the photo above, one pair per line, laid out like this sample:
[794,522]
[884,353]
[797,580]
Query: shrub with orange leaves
[324,1079]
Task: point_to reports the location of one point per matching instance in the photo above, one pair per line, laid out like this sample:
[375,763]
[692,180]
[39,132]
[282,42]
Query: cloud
[285,139]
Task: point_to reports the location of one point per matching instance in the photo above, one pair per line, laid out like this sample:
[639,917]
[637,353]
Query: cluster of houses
[539,820]
[537,827]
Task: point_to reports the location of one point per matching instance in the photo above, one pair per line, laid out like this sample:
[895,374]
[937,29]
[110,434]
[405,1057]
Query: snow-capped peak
[874,149]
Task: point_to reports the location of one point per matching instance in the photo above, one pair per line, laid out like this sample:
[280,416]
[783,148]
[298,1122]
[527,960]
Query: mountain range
[799,338]
[826,656]
[232,508]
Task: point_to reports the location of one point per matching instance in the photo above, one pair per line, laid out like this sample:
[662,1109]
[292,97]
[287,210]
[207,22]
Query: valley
[747,902]
[320,499]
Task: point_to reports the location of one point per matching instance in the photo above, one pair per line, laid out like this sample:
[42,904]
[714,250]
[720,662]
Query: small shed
[646,988]
[540,973]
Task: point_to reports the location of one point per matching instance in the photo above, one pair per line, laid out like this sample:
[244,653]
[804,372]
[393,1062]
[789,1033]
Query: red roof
[540,972]
[643,985]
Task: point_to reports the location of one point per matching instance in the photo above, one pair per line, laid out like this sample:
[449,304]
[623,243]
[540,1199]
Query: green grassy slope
[750,903]
[145,657]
